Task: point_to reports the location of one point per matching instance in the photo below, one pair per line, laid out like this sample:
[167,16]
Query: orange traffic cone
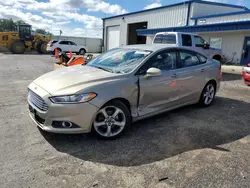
[56,53]
[70,54]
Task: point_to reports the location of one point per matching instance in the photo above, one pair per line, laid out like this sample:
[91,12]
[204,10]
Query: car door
[158,93]
[186,41]
[73,47]
[64,45]
[191,72]
[199,43]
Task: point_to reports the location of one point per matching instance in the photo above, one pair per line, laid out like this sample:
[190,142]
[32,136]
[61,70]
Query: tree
[10,25]
[49,33]
[19,22]
[7,25]
[41,31]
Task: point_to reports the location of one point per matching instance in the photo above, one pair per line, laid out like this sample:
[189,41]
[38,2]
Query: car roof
[176,33]
[150,47]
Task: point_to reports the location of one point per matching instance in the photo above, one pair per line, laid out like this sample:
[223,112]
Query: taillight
[51,44]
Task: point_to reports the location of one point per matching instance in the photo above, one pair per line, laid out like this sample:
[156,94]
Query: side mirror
[153,72]
[206,46]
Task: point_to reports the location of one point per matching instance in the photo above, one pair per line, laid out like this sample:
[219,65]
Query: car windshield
[119,60]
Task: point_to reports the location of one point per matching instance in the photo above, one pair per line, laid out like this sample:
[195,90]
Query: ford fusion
[121,86]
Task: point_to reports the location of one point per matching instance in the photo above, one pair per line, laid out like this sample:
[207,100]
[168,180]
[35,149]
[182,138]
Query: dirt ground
[189,147]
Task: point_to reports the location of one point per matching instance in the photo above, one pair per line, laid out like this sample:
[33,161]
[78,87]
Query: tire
[42,48]
[207,95]
[112,120]
[82,52]
[18,47]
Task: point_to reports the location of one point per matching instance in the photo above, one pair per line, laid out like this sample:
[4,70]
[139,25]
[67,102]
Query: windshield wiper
[102,68]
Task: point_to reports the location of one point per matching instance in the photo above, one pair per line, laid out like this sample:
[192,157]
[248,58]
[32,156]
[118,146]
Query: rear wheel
[112,120]
[82,52]
[218,58]
[207,95]
[18,47]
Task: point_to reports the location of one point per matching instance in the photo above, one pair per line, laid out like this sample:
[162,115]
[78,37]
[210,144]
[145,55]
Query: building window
[216,42]
[186,40]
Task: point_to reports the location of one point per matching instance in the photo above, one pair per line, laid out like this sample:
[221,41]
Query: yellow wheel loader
[20,39]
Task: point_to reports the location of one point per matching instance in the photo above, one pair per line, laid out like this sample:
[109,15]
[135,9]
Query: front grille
[37,101]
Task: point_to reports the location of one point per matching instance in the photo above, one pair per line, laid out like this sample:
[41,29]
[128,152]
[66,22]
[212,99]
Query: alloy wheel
[82,52]
[109,121]
[208,94]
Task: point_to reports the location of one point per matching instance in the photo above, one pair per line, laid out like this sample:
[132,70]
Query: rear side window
[186,40]
[53,42]
[188,59]
[202,58]
[169,39]
[165,39]
[158,39]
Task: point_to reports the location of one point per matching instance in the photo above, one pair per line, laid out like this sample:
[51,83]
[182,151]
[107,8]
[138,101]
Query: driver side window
[165,60]
[199,42]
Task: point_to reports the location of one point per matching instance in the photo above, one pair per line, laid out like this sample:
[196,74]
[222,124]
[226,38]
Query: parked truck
[188,40]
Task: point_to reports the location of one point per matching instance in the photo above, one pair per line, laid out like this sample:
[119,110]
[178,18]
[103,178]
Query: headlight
[77,98]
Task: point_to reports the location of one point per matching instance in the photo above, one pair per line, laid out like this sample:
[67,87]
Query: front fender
[123,89]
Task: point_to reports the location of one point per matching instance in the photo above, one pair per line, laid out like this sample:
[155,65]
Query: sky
[79,17]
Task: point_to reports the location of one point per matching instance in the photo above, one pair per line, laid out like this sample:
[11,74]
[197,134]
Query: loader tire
[41,48]
[18,47]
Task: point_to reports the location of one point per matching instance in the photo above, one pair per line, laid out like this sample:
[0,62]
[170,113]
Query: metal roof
[223,14]
[229,26]
[177,4]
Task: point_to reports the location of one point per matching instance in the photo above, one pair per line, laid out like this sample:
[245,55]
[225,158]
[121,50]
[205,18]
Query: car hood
[70,80]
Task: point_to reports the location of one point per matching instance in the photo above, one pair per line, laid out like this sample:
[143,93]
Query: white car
[65,46]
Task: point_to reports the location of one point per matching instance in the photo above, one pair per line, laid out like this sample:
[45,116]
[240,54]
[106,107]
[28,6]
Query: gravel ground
[189,147]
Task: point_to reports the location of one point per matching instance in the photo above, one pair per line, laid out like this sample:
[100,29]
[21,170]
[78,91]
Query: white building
[224,26]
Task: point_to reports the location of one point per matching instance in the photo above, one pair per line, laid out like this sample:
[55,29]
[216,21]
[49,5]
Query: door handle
[202,70]
[173,76]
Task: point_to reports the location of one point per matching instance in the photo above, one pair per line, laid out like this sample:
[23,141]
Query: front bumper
[81,114]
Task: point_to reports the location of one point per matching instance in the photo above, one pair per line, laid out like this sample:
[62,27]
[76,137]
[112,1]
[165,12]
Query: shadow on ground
[231,77]
[163,136]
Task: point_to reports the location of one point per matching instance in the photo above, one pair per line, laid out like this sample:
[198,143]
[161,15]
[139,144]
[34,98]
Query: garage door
[113,37]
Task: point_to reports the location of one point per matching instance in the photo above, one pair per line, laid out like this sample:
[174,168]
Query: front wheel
[112,120]
[42,48]
[207,95]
